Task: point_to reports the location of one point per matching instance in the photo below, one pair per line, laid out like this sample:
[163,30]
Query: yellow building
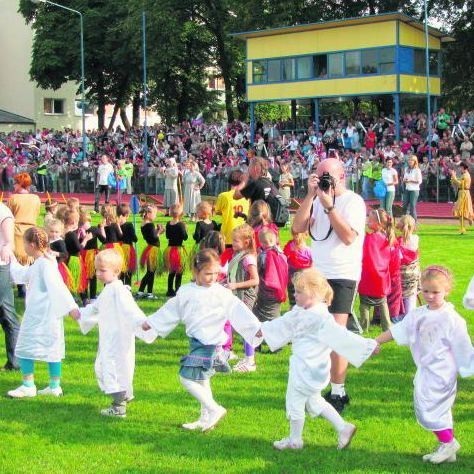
[366,56]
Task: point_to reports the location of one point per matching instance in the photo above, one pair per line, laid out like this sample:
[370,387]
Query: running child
[118,317]
[313,333]
[203,306]
[151,255]
[41,336]
[174,256]
[441,348]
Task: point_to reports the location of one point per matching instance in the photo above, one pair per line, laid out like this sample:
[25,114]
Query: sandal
[244,366]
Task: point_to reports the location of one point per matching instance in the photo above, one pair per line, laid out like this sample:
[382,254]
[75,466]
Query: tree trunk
[125,121]
[242,105]
[114,116]
[101,102]
[136,109]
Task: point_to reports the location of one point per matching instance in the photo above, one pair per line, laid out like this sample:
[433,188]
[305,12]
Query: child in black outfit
[175,255]
[151,256]
[129,238]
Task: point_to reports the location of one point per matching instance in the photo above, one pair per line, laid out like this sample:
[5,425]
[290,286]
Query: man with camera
[335,219]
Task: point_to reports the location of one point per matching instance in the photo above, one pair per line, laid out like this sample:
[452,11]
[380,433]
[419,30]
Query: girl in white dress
[441,348]
[314,335]
[47,301]
[204,306]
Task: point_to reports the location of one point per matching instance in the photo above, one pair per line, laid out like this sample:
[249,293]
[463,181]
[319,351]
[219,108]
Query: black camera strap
[330,226]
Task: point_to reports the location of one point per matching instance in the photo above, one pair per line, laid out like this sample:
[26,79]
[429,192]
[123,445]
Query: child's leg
[364,315]
[54,369]
[170,291]
[127,278]
[444,436]
[151,281]
[295,403]
[318,406]
[228,330]
[144,281]
[385,315]
[247,364]
[447,449]
[93,288]
[27,368]
[177,282]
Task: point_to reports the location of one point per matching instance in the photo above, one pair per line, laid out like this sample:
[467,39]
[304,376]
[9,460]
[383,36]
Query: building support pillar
[252,123]
[315,117]
[396,100]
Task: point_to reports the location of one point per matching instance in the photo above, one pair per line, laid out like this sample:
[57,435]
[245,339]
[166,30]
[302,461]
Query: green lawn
[68,434]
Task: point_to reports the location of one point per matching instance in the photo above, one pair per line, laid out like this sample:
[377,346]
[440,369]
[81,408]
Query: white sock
[296,430]
[338,389]
[331,414]
[201,392]
[250,359]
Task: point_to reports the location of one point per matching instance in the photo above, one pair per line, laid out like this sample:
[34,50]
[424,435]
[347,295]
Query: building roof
[8,117]
[345,22]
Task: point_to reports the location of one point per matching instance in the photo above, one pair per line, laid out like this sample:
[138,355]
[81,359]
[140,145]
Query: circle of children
[57,164]
[240,277]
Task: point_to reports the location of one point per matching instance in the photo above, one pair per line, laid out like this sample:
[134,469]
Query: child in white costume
[440,346]
[204,307]
[314,335]
[118,317]
[48,300]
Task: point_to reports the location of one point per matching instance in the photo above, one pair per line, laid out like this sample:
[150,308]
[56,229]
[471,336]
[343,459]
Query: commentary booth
[357,57]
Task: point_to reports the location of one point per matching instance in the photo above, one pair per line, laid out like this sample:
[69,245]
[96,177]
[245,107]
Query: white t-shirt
[103,172]
[413,174]
[389,175]
[5,213]
[331,256]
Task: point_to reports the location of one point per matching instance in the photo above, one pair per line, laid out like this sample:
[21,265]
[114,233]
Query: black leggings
[177,281]
[148,280]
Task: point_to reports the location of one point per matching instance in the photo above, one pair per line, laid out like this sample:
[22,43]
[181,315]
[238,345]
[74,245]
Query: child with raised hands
[204,306]
[119,319]
[441,348]
[314,334]
[41,336]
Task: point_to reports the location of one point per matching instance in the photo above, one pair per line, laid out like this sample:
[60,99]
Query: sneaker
[427,457]
[346,435]
[55,392]
[114,412]
[245,366]
[337,401]
[287,443]
[214,417]
[23,392]
[195,425]
[9,368]
[139,295]
[150,296]
[445,451]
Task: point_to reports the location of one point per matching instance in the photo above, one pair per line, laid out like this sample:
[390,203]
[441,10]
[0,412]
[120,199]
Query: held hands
[159,229]
[146,326]
[376,350]
[75,314]
[231,286]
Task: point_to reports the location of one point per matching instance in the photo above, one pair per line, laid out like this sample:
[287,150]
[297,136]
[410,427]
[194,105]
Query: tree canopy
[188,38]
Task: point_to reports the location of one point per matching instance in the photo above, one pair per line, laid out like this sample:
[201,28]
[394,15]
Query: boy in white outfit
[119,319]
[314,334]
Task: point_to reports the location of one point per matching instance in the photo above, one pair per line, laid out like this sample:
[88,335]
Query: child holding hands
[41,334]
[118,318]
[441,347]
[204,306]
[314,334]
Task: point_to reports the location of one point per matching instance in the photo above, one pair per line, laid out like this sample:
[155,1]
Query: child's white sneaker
[214,416]
[113,412]
[346,435]
[54,392]
[195,425]
[244,365]
[445,451]
[427,457]
[231,355]
[288,443]
[23,392]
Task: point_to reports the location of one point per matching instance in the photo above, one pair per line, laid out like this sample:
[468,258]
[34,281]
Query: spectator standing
[412,180]
[390,178]
[335,217]
[103,172]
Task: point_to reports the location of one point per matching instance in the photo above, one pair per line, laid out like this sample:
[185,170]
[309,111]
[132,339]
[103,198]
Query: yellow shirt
[228,206]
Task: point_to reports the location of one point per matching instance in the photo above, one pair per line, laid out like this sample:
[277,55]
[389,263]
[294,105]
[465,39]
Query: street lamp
[427,72]
[83,92]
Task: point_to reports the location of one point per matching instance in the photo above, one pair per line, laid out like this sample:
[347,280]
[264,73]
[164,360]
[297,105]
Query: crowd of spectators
[56,162]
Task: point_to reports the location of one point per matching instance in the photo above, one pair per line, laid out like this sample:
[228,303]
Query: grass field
[68,435]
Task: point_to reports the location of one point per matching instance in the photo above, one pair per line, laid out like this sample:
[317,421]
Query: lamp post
[83,92]
[145,129]
[427,72]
